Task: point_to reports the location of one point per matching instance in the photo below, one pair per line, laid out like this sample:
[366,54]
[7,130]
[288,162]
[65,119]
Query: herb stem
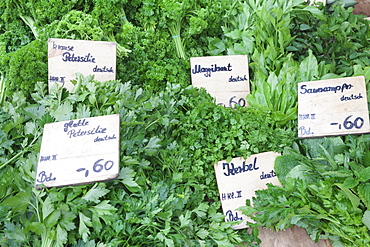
[21,152]
[175,30]
[2,90]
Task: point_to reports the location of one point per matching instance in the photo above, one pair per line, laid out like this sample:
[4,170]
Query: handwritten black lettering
[307,116]
[238,78]
[233,170]
[239,194]
[105,138]
[57,79]
[44,158]
[207,71]
[83,169]
[231,195]
[104,69]
[62,47]
[48,158]
[223,196]
[68,57]
[231,217]
[336,89]
[43,177]
[74,124]
[304,131]
[352,97]
[73,133]
[268,175]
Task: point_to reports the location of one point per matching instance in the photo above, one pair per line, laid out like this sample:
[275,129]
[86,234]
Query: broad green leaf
[95,193]
[185,220]
[217,45]
[366,219]
[364,193]
[343,173]
[273,81]
[315,12]
[283,165]
[67,220]
[104,208]
[14,232]
[304,27]
[298,171]
[366,158]
[18,203]
[126,176]
[4,142]
[202,233]
[364,174]
[62,237]
[63,112]
[83,111]
[355,200]
[223,243]
[83,229]
[47,208]
[160,236]
[169,242]
[248,42]
[235,34]
[127,160]
[309,68]
[52,219]
[367,73]
[350,183]
[35,111]
[36,227]
[201,210]
[238,49]
[152,147]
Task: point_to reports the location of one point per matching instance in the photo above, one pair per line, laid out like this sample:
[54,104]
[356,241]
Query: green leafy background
[172,133]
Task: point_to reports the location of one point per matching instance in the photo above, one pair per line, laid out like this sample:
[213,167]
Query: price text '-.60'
[98,166]
[348,124]
[233,102]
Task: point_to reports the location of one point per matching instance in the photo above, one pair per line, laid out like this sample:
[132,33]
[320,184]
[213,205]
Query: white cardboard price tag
[226,78]
[79,151]
[332,107]
[238,180]
[67,57]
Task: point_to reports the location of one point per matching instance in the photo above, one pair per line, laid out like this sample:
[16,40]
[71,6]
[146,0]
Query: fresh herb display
[171,133]
[325,190]
[159,194]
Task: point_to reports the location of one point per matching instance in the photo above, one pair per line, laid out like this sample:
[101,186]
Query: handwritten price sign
[79,151]
[237,99]
[238,180]
[226,78]
[66,57]
[333,107]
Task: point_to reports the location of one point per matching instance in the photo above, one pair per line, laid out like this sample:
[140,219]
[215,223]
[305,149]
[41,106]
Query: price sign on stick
[238,180]
[79,151]
[226,78]
[66,57]
[332,107]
